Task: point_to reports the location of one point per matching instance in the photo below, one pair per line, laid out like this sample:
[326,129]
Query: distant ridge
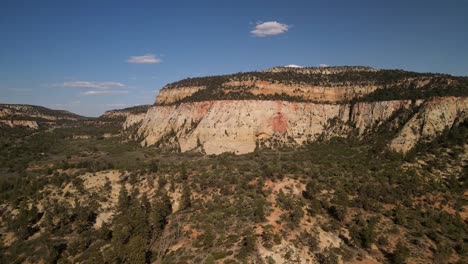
[337,84]
[125,112]
[9,110]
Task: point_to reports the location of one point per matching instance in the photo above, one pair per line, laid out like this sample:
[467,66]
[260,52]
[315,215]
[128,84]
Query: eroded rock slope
[238,113]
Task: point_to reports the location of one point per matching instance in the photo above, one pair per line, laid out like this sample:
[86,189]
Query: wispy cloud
[104,92]
[93,85]
[270,28]
[145,59]
[323,65]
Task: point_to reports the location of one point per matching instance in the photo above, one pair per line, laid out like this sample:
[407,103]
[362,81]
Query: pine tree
[136,250]
[154,167]
[185,200]
[124,200]
[122,229]
[400,254]
[161,209]
[183,172]
[146,204]
[166,203]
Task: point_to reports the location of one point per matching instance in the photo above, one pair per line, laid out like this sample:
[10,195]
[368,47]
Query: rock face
[368,116]
[128,117]
[133,119]
[434,117]
[325,104]
[312,93]
[237,126]
[169,96]
[19,123]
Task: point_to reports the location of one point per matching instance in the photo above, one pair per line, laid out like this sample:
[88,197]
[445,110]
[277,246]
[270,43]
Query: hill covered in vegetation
[33,116]
[108,200]
[331,84]
[125,112]
[18,111]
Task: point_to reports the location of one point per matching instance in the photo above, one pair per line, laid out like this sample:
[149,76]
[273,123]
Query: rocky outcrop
[19,123]
[433,118]
[133,119]
[304,92]
[290,106]
[369,116]
[169,96]
[234,126]
[238,126]
[276,81]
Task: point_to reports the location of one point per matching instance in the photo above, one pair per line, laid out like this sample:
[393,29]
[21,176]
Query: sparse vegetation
[81,192]
[393,85]
[225,208]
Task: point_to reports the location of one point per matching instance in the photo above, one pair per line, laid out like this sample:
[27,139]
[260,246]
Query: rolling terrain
[303,165]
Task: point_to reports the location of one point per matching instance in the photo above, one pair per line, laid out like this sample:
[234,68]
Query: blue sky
[83,55]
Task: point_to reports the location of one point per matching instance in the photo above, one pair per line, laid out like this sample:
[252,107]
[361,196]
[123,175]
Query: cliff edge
[287,106]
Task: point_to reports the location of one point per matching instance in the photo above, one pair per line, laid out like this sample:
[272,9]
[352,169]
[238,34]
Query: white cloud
[145,59]
[294,66]
[323,65]
[270,28]
[103,92]
[93,85]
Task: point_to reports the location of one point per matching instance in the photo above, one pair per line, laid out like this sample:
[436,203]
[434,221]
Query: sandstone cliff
[434,116]
[133,119]
[238,126]
[317,85]
[201,114]
[129,117]
[168,96]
